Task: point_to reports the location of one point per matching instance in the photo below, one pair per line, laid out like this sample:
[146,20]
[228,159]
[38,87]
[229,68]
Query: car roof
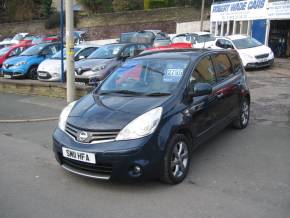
[195,33]
[173,53]
[236,36]
[87,46]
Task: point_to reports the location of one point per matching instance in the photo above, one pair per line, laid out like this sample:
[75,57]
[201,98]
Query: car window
[236,61]
[130,50]
[86,52]
[203,72]
[147,76]
[222,66]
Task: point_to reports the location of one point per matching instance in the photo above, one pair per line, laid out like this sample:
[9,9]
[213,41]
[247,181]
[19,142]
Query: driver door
[202,109]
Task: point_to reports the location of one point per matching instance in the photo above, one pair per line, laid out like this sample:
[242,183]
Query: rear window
[222,66]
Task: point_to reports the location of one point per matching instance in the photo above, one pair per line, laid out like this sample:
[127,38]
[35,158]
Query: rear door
[227,88]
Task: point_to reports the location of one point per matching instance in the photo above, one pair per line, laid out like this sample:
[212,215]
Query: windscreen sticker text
[173,75]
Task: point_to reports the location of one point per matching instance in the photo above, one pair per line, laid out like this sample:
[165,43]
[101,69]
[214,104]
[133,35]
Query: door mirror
[80,58]
[201,89]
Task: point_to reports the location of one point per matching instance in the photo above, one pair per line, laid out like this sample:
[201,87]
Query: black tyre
[176,160]
[32,73]
[242,120]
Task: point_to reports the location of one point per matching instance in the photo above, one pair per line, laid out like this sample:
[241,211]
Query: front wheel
[244,116]
[32,73]
[177,160]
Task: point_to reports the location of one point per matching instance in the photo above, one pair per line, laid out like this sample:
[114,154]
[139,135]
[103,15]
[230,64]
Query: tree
[46,5]
[97,5]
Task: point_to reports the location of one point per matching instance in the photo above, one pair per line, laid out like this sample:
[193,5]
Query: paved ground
[240,174]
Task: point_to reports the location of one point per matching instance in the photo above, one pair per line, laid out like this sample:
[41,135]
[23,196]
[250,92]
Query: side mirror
[81,57]
[201,89]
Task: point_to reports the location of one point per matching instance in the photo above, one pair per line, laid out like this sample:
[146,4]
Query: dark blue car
[25,65]
[148,116]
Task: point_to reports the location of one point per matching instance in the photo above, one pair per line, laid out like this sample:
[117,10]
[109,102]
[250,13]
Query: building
[268,21]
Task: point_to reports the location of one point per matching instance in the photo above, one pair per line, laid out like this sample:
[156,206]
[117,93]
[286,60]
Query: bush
[53,21]
[150,4]
[121,5]
[97,5]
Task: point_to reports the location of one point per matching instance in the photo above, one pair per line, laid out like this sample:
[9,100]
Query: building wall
[190,27]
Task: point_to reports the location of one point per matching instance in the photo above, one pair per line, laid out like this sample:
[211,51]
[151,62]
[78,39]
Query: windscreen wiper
[126,92]
[158,94]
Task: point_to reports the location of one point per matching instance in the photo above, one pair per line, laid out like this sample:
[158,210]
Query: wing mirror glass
[201,89]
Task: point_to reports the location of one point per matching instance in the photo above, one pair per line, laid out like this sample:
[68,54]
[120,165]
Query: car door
[226,89]
[202,109]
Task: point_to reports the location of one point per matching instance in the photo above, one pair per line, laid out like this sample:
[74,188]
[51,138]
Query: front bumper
[256,65]
[114,160]
[47,76]
[14,71]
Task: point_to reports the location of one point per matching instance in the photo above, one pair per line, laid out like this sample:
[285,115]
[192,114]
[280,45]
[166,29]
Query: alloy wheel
[179,159]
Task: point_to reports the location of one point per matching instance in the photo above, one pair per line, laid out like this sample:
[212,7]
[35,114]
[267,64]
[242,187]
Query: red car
[178,45]
[12,51]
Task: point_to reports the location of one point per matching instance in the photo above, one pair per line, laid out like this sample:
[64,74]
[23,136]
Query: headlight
[99,68]
[142,126]
[64,115]
[271,54]
[20,63]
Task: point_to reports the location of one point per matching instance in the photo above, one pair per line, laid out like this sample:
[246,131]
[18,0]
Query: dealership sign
[241,10]
[279,10]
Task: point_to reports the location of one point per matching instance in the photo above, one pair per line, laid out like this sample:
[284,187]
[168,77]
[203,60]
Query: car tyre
[176,160]
[32,73]
[242,120]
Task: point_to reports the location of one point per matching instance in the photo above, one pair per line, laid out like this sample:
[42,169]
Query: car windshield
[205,38]
[106,52]
[151,77]
[182,38]
[34,50]
[18,37]
[3,51]
[246,43]
[58,54]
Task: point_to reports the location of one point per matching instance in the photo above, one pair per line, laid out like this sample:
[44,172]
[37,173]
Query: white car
[50,69]
[197,39]
[253,53]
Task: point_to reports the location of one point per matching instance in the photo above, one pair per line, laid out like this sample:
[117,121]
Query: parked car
[25,65]
[4,43]
[145,119]
[45,39]
[253,53]
[15,40]
[50,69]
[198,39]
[104,60]
[11,51]
[178,45]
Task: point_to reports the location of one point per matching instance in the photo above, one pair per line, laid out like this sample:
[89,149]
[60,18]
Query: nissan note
[145,119]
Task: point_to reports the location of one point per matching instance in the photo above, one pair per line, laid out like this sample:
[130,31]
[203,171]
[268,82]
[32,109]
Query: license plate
[7,76]
[263,60]
[81,83]
[79,155]
[42,74]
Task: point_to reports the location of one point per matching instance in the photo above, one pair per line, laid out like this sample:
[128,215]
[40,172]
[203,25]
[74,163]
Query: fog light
[135,171]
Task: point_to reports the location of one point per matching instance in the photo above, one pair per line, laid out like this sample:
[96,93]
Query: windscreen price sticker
[173,75]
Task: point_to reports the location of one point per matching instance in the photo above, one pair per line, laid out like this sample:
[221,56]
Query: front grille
[92,136]
[101,168]
[262,56]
